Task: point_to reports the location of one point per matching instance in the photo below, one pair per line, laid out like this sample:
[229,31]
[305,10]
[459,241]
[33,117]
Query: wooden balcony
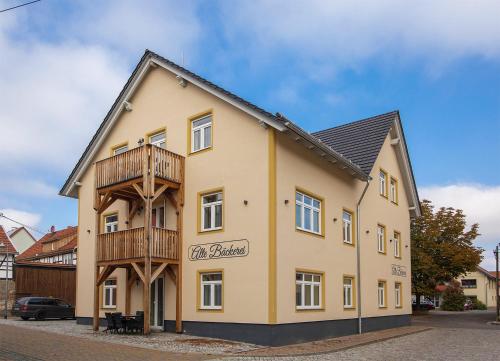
[128,246]
[136,163]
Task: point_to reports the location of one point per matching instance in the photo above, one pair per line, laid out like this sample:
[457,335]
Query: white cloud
[345,33]
[20,186]
[480,203]
[27,218]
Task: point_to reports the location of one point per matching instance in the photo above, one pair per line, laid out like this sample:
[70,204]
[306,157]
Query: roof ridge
[394,112]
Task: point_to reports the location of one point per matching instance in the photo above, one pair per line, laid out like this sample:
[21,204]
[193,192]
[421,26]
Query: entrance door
[157,303]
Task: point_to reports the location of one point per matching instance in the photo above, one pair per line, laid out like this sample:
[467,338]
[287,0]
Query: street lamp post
[496,278]
[3,246]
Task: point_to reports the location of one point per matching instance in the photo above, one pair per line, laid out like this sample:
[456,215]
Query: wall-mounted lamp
[245,202]
[406,246]
[367,231]
[88,231]
[390,241]
[140,141]
[286,201]
[335,219]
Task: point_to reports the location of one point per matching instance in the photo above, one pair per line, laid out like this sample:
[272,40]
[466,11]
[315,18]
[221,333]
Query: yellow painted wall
[485,290]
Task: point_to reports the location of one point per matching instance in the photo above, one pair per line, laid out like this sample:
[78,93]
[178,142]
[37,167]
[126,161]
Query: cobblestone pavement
[25,344]
[435,345]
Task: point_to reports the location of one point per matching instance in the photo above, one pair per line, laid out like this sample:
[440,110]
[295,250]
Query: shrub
[453,297]
[478,305]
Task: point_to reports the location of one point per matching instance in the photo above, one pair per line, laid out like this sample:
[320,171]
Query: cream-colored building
[480,285]
[218,218]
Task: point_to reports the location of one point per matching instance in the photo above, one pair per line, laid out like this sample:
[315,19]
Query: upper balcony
[136,163]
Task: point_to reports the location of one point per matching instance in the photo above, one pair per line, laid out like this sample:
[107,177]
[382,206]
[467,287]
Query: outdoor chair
[117,322]
[111,327]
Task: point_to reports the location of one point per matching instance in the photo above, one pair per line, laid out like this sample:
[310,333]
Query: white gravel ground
[164,341]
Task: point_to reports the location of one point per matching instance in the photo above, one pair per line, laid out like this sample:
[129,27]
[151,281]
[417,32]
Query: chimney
[52,229]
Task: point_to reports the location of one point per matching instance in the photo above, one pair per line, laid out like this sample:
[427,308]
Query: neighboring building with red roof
[7,254]
[58,247]
[21,238]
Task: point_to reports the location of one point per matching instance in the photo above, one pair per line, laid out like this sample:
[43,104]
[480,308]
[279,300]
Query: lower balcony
[128,246]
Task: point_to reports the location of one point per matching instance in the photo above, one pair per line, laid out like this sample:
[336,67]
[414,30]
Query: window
[158,139]
[307,213]
[307,290]
[381,294]
[211,291]
[201,133]
[397,294]
[158,217]
[349,292]
[393,191]
[211,211]
[383,183]
[347,227]
[469,283]
[111,223]
[381,238]
[120,149]
[397,245]
[109,294]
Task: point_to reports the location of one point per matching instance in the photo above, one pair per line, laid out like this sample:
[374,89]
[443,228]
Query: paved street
[456,336]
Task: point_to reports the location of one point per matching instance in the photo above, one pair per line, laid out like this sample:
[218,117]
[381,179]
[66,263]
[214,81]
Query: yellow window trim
[386,195]
[115,147]
[101,295]
[353,278]
[198,213]
[323,282]
[400,293]
[155,132]
[190,121]
[385,238]
[396,182]
[399,244]
[103,219]
[322,208]
[353,227]
[385,293]
[198,290]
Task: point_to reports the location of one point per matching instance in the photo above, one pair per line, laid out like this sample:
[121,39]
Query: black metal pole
[498,301]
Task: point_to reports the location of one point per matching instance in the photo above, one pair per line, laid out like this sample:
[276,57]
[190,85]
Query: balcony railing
[134,163]
[129,244]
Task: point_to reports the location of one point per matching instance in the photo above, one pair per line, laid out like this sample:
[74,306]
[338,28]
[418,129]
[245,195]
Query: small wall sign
[398,270]
[224,249]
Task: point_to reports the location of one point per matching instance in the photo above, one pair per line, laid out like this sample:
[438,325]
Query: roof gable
[4,238]
[36,250]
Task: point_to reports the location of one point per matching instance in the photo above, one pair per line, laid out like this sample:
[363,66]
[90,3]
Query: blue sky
[319,63]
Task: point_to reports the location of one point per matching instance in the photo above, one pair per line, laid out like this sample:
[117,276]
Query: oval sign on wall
[224,249]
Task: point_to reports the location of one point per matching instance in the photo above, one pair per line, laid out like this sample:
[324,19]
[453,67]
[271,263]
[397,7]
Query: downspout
[358,252]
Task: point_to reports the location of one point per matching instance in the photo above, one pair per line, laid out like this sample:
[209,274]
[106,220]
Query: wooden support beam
[103,201]
[95,320]
[105,274]
[139,271]
[105,205]
[171,274]
[133,211]
[159,192]
[172,200]
[133,277]
[158,271]
[178,287]
[139,191]
[128,291]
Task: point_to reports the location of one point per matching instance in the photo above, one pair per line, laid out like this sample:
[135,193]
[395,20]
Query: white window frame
[212,285]
[383,183]
[397,294]
[347,227]
[201,128]
[312,209]
[109,288]
[113,224]
[393,190]
[348,290]
[120,150]
[381,237]
[302,283]
[397,244]
[382,302]
[158,142]
[212,206]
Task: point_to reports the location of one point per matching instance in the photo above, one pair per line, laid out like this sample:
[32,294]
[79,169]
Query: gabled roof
[359,141]
[486,273]
[4,238]
[36,250]
[151,59]
[15,231]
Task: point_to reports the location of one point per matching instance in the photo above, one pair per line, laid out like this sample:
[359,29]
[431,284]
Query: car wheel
[40,316]
[25,318]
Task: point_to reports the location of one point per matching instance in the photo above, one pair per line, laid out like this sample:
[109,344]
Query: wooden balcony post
[97,206]
[178,286]
[146,296]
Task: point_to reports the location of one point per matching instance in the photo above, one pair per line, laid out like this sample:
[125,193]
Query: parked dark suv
[41,308]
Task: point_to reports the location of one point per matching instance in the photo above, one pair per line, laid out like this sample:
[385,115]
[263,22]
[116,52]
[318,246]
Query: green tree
[441,248]
[453,297]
